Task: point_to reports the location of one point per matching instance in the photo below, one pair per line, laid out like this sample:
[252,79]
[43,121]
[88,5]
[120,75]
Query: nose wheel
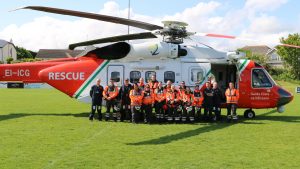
[249,114]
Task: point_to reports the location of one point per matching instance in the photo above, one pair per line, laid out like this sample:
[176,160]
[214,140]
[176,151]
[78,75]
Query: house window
[169,75]
[135,76]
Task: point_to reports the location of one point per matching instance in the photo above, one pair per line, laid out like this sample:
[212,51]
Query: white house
[273,58]
[7,49]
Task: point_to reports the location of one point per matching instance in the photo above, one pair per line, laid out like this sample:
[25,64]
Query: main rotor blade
[145,35]
[106,18]
[238,38]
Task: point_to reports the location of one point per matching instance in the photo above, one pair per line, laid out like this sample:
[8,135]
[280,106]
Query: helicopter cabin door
[193,73]
[115,72]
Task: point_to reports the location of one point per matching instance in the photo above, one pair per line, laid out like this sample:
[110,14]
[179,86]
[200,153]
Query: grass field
[42,128]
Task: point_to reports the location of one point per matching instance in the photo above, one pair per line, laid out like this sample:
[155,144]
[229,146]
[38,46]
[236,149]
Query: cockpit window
[260,79]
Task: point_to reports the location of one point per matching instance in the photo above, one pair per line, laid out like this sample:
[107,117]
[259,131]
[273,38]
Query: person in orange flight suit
[167,87]
[187,101]
[173,103]
[136,97]
[153,83]
[148,102]
[197,101]
[232,98]
[110,94]
[182,88]
[160,100]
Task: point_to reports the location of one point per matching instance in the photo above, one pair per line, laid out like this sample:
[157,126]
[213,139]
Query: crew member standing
[136,97]
[160,100]
[173,101]
[182,88]
[96,95]
[208,101]
[187,99]
[167,87]
[141,83]
[217,100]
[110,94]
[232,98]
[197,101]
[125,100]
[153,83]
[148,102]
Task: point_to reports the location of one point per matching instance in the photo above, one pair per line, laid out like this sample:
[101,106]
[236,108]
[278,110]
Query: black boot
[91,116]
[100,116]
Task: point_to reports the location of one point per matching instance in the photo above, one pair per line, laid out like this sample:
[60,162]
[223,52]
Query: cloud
[265,5]
[251,21]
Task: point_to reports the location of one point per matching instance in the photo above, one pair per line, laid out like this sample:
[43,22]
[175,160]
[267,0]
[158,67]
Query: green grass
[46,129]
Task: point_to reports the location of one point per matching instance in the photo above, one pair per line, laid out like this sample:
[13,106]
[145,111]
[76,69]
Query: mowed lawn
[42,128]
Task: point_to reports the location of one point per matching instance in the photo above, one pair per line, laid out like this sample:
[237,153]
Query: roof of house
[4,42]
[57,53]
[262,50]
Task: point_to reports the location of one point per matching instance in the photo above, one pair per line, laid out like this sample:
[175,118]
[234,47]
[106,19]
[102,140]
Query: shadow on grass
[20,115]
[213,127]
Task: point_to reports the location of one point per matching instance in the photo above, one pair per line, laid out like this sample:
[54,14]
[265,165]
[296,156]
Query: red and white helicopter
[169,59]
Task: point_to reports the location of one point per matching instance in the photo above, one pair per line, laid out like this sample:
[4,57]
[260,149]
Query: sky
[264,21]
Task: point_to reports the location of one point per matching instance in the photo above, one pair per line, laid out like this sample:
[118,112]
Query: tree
[24,53]
[290,55]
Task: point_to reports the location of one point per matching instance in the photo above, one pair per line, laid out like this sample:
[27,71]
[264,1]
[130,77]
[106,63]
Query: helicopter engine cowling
[158,50]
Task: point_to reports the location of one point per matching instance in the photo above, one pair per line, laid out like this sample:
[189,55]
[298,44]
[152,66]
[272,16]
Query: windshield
[261,79]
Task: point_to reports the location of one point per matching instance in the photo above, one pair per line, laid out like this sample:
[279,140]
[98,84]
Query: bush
[9,60]
[26,60]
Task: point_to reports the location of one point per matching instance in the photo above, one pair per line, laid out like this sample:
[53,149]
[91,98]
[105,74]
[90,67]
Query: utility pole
[128,13]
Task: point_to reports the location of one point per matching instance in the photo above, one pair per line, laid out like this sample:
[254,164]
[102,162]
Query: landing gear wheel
[249,114]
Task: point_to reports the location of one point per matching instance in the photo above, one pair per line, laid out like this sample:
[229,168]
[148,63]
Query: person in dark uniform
[96,95]
[125,100]
[208,101]
[217,100]
[141,84]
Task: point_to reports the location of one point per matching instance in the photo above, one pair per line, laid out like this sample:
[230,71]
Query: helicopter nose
[284,97]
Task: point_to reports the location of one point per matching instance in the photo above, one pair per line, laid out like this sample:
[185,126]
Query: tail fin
[71,78]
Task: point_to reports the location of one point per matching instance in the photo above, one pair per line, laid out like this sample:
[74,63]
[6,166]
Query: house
[273,58]
[7,49]
[57,53]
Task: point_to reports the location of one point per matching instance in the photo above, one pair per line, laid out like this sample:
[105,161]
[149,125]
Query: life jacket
[197,98]
[141,86]
[232,96]
[167,88]
[172,95]
[160,94]
[111,92]
[153,85]
[182,90]
[187,97]
[148,98]
[136,97]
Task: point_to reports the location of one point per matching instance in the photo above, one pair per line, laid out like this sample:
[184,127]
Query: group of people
[136,102]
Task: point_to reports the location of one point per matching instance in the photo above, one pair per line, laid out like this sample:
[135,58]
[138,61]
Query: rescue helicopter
[169,59]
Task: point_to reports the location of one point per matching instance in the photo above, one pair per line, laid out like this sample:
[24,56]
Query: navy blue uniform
[125,101]
[96,95]
[208,102]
